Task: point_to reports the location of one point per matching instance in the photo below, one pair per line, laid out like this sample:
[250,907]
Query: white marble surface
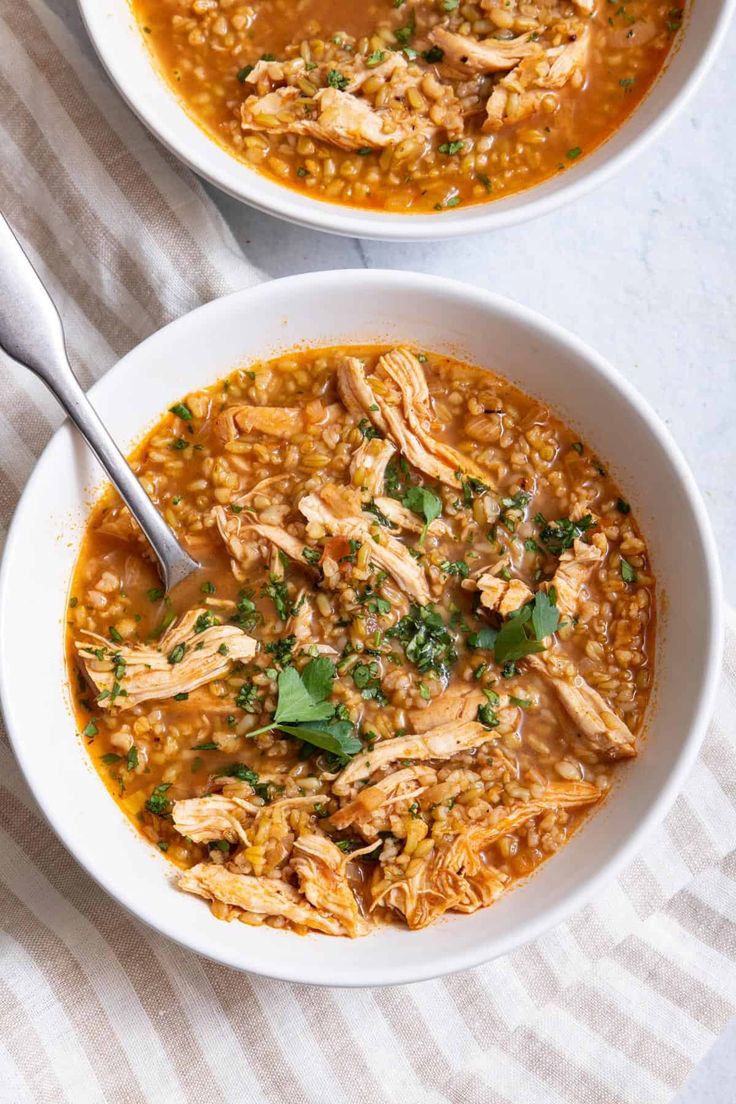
[645,270]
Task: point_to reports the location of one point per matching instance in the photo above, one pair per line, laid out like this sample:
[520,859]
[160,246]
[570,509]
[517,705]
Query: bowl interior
[121,48]
[327,309]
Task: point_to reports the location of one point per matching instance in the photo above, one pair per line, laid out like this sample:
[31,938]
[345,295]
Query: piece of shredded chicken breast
[574,570]
[212,817]
[487,56]
[437,743]
[194,651]
[498,595]
[454,875]
[372,798]
[321,868]
[368,466]
[338,510]
[457,704]
[403,413]
[340,118]
[262,896]
[276,421]
[238,532]
[595,720]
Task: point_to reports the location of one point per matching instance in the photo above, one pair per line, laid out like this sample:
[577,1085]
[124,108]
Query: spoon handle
[31,334]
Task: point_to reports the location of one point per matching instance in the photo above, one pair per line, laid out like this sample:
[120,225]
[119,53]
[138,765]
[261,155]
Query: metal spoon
[31,334]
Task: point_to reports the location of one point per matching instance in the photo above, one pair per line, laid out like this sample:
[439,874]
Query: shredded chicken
[506,106]
[457,704]
[212,817]
[487,56]
[238,531]
[437,743]
[337,509]
[336,117]
[320,867]
[368,465]
[496,594]
[276,421]
[574,569]
[455,876]
[194,651]
[403,413]
[262,896]
[597,723]
[531,84]
[403,518]
[300,626]
[372,798]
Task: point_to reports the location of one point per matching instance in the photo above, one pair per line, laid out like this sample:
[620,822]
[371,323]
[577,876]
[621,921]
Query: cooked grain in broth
[410,106]
[419,652]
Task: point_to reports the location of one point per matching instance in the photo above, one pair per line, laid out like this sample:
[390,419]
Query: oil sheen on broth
[424,638]
[409,106]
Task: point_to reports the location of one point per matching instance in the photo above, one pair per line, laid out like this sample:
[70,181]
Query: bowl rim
[547,917]
[291,206]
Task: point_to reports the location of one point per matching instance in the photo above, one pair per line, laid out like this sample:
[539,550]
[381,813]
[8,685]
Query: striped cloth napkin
[613,1007]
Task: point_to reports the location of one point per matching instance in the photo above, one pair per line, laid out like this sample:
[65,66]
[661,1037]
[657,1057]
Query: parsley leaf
[424,503]
[485,639]
[301,698]
[337,737]
[545,618]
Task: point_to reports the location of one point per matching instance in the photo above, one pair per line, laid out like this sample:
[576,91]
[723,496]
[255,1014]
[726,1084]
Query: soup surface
[410,105]
[420,646]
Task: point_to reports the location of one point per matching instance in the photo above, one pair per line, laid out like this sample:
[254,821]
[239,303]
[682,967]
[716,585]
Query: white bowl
[120,45]
[317,310]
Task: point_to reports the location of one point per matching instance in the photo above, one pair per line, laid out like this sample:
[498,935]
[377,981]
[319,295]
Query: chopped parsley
[335,79]
[455,567]
[247,698]
[628,573]
[177,654]
[277,590]
[182,411]
[158,803]
[451,148]
[427,642]
[367,678]
[368,431]
[512,510]
[558,535]
[247,616]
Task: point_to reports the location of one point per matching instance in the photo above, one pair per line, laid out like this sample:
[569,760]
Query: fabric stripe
[69,1064]
[21,873]
[93,1027]
[19,1034]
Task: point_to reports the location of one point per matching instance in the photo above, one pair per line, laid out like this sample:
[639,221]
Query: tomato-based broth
[406,105]
[417,654]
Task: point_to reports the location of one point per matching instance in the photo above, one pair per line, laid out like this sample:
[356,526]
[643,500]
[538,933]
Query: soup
[417,653]
[409,106]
